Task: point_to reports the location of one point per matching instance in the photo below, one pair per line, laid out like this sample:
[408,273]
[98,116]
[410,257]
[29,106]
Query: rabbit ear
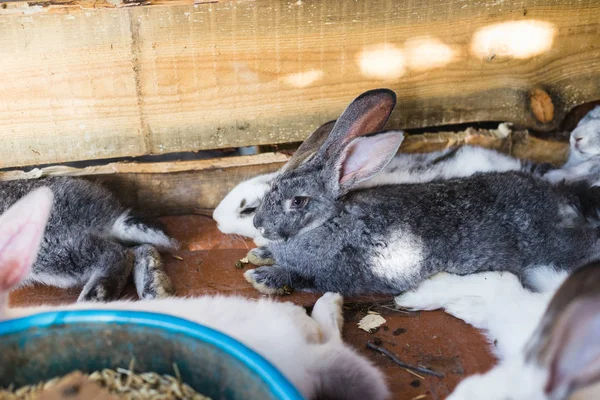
[309,146]
[368,113]
[21,230]
[574,349]
[364,157]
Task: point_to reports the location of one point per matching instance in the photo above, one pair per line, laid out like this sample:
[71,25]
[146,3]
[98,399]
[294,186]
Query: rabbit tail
[132,230]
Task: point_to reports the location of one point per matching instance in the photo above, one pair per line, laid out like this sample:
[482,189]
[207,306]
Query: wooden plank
[66,6]
[102,83]
[184,187]
[169,188]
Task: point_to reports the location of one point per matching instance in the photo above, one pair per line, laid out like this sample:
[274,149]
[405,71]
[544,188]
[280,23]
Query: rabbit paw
[260,256]
[157,286]
[431,294]
[107,282]
[150,279]
[100,290]
[328,312]
[271,280]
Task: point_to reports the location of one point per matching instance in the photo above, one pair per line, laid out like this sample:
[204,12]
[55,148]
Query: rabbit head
[234,213]
[585,138]
[561,357]
[21,231]
[303,197]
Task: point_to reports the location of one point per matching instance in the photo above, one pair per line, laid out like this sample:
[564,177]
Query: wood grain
[118,82]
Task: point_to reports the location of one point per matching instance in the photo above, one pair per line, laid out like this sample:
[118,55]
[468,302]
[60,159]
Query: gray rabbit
[328,236]
[86,242]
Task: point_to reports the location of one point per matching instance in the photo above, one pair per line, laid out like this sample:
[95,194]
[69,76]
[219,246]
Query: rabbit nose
[261,230]
[257,221]
[577,140]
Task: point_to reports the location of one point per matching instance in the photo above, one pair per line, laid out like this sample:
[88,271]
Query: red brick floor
[431,339]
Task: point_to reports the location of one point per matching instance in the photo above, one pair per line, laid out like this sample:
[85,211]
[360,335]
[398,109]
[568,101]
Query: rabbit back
[77,203]
[450,163]
[388,239]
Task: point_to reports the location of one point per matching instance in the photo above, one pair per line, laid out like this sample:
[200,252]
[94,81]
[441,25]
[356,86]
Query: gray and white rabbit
[584,152]
[327,235]
[87,241]
[235,212]
[308,350]
[547,342]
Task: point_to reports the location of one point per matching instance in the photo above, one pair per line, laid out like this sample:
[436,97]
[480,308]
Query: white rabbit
[235,212]
[495,302]
[584,152]
[308,350]
[548,341]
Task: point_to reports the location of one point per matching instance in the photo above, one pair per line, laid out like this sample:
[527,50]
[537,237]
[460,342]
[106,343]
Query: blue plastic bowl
[43,346]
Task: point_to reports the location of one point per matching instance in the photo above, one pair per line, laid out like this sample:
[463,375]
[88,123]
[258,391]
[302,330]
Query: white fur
[400,257]
[508,314]
[495,302]
[126,232]
[545,279]
[282,332]
[57,281]
[588,145]
[418,168]
[511,380]
[228,213]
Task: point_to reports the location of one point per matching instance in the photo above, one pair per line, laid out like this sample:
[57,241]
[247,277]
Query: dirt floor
[206,264]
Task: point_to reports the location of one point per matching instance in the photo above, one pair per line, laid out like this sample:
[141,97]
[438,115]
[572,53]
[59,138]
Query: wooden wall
[184,187]
[100,79]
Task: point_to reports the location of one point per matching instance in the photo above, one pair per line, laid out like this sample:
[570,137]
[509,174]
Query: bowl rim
[277,383]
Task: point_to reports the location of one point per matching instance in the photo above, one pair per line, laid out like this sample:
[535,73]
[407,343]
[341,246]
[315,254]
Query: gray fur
[387,239]
[80,247]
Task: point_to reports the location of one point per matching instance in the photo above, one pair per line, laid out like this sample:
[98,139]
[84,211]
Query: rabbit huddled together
[326,232]
[322,365]
[319,216]
[235,213]
[506,245]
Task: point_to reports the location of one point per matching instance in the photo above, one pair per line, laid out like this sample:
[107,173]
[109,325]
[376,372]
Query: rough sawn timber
[154,77]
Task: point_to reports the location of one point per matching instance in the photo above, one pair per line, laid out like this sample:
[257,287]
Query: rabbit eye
[248,211]
[299,202]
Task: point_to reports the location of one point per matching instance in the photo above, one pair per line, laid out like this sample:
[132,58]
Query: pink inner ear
[17,253]
[367,156]
[22,227]
[355,162]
